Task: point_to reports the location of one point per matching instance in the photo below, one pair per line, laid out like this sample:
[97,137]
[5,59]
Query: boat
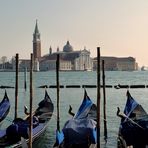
[133,130]
[80,131]
[144,68]
[12,135]
[4,107]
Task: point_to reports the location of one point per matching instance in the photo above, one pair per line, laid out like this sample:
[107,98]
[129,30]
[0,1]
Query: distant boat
[87,69]
[144,68]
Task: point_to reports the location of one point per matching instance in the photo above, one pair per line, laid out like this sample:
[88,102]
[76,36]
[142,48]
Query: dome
[67,47]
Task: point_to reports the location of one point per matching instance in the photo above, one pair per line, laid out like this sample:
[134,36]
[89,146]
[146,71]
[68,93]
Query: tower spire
[36,31]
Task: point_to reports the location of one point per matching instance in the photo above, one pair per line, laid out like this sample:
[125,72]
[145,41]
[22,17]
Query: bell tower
[36,43]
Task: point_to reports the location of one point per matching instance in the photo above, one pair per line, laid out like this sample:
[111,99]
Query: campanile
[36,43]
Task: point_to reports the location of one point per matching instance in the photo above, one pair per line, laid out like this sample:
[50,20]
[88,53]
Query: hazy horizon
[118,27]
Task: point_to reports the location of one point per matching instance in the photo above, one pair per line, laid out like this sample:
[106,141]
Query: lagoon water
[74,96]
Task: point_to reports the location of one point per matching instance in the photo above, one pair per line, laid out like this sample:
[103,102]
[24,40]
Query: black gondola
[11,136]
[80,131]
[4,107]
[133,130]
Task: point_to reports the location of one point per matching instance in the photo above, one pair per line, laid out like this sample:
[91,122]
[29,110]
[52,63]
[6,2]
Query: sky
[118,27]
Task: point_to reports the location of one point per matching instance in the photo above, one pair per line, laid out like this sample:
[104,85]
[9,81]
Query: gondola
[133,130]
[12,135]
[80,131]
[4,107]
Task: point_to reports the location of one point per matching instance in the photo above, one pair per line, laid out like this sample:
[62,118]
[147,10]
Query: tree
[3,61]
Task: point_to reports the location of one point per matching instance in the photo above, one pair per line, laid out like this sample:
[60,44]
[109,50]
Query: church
[70,59]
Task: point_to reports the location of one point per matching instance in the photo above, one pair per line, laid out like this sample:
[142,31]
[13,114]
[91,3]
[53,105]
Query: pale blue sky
[119,27]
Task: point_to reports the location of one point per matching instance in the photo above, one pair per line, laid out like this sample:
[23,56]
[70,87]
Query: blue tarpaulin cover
[82,127]
[131,104]
[134,128]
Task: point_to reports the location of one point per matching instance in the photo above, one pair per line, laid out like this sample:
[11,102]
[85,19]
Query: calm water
[73,96]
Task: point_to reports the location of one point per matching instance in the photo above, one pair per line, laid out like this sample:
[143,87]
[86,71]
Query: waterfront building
[117,63]
[70,60]
[126,64]
[47,65]
[22,64]
[84,61]
[7,66]
[77,60]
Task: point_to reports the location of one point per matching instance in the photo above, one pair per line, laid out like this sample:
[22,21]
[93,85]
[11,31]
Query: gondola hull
[35,137]
[4,107]
[12,137]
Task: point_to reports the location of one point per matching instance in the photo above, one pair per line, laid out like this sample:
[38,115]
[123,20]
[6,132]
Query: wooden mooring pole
[31,102]
[16,85]
[98,97]
[58,90]
[104,102]
[25,79]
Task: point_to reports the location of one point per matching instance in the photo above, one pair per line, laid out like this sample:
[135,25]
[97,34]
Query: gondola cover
[134,125]
[81,129]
